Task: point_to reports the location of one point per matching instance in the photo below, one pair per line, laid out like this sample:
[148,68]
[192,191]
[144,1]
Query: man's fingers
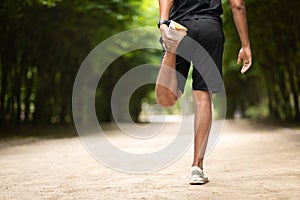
[170,42]
[239,60]
[170,48]
[244,69]
[164,46]
[245,56]
[247,65]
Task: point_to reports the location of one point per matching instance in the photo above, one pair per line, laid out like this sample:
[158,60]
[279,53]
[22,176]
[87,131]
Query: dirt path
[249,162]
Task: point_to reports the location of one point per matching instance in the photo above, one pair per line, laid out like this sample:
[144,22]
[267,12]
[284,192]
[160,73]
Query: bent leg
[167,92]
[202,124]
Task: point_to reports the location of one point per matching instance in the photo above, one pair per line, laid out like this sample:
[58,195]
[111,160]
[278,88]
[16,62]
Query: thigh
[183,63]
[207,59]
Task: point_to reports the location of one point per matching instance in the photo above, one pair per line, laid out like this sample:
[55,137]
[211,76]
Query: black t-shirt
[190,9]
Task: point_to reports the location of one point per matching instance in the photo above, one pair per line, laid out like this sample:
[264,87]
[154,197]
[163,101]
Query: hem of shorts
[206,89]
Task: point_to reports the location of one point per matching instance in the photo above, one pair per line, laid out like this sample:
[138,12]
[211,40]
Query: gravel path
[249,162]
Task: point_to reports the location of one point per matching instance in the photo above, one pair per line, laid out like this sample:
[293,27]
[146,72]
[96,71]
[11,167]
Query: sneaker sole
[198,182]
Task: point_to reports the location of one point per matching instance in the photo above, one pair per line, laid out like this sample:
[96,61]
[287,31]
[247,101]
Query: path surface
[249,162]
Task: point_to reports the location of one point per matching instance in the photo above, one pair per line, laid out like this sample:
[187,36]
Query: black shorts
[206,57]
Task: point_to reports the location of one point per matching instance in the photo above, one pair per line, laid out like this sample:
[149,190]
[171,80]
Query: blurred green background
[43,43]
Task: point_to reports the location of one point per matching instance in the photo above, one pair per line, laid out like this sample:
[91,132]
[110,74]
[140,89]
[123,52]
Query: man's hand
[169,43]
[245,55]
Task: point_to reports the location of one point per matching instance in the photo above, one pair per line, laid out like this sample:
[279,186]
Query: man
[202,19]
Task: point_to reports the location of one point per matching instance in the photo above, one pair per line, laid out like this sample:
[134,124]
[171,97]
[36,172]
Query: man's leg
[167,92]
[202,124]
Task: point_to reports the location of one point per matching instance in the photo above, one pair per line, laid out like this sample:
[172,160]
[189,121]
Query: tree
[274,78]
[43,43]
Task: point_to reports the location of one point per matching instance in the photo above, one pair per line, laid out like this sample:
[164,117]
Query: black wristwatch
[167,22]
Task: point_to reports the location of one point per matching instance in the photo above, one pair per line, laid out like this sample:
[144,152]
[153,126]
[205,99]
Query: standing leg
[202,124]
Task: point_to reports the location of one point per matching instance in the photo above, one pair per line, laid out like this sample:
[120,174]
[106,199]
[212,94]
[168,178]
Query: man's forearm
[165,8]
[239,15]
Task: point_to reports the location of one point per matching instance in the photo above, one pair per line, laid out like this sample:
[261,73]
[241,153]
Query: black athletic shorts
[206,57]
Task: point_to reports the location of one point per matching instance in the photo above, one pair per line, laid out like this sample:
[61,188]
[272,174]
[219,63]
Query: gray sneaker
[197,176]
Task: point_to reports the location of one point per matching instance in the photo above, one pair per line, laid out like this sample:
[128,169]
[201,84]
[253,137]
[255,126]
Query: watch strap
[167,22]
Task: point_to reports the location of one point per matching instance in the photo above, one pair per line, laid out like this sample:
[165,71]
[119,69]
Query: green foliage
[274,78]
[43,42]
[147,15]
[258,112]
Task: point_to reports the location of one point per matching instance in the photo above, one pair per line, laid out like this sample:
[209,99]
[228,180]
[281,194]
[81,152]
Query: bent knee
[166,103]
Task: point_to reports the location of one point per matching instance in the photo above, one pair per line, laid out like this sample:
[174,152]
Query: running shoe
[197,176]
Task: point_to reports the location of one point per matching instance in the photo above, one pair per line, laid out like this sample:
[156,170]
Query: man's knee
[167,102]
[165,97]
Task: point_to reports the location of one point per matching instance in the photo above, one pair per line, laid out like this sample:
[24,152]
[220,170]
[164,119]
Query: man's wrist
[246,46]
[163,27]
[161,22]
